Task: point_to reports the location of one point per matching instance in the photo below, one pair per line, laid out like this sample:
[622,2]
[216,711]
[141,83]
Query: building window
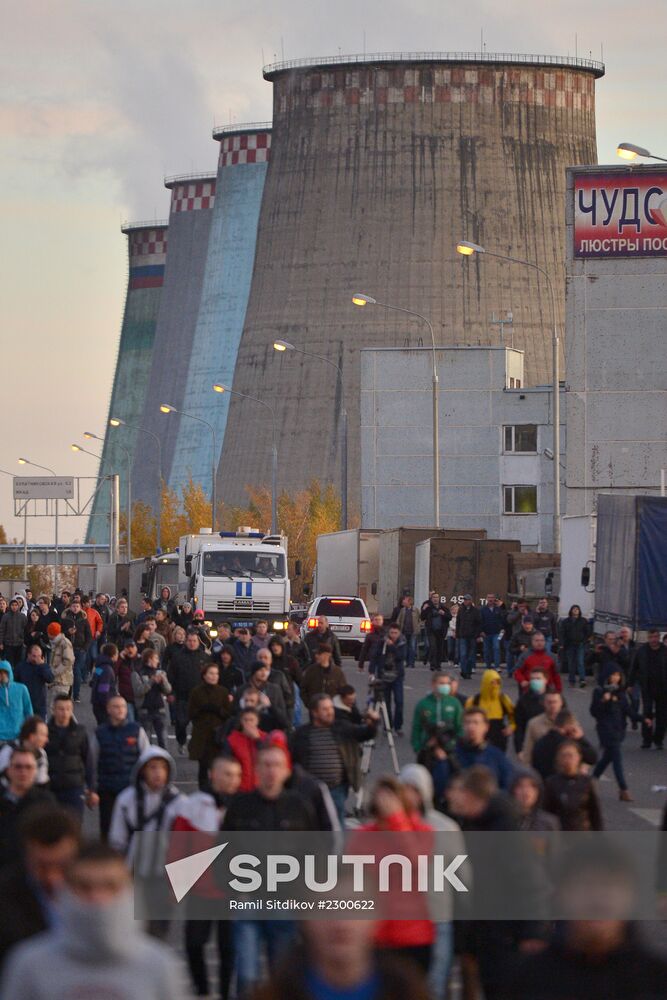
[520,499]
[521,438]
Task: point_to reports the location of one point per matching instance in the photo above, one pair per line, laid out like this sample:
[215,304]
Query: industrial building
[379,165]
[616,321]
[496,472]
[242,164]
[191,210]
[147,253]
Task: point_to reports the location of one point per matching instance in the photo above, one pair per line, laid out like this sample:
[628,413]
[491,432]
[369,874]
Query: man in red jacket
[538,657]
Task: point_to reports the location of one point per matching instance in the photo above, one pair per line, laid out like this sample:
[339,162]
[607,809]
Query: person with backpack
[151,687]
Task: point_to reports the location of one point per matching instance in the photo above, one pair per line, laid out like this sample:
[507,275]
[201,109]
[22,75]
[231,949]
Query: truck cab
[239,577]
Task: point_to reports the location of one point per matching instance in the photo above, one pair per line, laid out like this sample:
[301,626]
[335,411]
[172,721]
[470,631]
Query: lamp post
[628,151]
[167,408]
[89,436]
[35,465]
[25,530]
[219,387]
[359,299]
[468,250]
[284,345]
[117,422]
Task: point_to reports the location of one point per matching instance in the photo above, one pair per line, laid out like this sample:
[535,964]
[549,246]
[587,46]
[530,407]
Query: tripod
[379,705]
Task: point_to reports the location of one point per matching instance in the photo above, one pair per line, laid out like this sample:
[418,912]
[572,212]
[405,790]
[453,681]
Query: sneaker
[399,732]
[624,795]
[181,750]
[659,746]
[582,684]
[77,701]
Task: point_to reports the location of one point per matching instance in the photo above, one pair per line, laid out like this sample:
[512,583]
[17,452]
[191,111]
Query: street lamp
[36,465]
[89,436]
[629,151]
[468,250]
[284,345]
[167,408]
[360,299]
[219,387]
[117,422]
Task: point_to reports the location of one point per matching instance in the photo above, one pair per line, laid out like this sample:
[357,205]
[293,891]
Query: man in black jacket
[468,627]
[71,763]
[328,748]
[436,618]
[566,727]
[649,671]
[18,794]
[322,633]
[12,629]
[184,674]
[76,628]
[373,640]
[49,839]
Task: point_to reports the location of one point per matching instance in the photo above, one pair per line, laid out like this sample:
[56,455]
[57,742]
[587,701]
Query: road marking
[652,816]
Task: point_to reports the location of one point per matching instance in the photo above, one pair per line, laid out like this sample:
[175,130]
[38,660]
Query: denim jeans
[452,649]
[71,799]
[249,935]
[575,662]
[441,960]
[411,654]
[612,755]
[549,644]
[492,652]
[79,671]
[467,653]
[394,699]
[339,795]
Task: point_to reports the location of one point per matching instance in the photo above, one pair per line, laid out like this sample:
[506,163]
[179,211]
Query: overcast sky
[99,99]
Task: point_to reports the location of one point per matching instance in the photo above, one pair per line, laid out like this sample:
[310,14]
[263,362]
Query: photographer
[436,618]
[438,710]
[387,673]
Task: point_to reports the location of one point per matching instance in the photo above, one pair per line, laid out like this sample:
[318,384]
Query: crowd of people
[274,726]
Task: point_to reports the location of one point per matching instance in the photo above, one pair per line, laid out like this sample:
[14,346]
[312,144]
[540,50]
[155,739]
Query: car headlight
[213,633]
[279,626]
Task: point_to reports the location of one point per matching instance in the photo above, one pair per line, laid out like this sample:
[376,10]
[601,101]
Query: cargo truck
[458,566]
[348,562]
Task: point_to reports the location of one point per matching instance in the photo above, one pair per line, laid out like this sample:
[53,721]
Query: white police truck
[236,576]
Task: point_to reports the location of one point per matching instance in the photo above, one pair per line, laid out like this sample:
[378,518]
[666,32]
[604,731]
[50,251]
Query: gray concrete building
[494,433]
[616,332]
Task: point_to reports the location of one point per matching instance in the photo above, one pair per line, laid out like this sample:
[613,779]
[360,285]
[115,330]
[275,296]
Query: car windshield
[237,563]
[337,607]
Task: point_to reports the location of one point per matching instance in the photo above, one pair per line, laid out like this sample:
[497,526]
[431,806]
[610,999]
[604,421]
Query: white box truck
[348,564]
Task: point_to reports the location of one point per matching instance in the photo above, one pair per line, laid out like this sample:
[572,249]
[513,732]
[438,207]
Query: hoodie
[497,705]
[93,951]
[15,704]
[137,809]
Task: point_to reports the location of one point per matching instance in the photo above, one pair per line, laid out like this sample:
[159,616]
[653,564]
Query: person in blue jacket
[611,710]
[15,704]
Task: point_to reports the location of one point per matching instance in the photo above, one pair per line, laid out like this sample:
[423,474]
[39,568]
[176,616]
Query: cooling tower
[147,251]
[242,166]
[379,166]
[192,200]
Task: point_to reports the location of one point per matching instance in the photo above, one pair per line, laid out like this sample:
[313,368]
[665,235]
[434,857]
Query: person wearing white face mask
[96,949]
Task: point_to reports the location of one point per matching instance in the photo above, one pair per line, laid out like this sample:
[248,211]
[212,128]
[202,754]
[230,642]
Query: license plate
[243,605]
[340,628]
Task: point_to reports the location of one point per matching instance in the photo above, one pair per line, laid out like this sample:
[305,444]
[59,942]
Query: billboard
[43,488]
[620,214]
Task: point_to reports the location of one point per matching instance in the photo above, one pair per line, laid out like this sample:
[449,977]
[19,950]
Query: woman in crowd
[571,795]
[208,707]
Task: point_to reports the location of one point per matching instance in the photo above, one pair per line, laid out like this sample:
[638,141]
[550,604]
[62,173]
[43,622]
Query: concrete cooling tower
[192,200]
[147,253]
[242,165]
[379,166]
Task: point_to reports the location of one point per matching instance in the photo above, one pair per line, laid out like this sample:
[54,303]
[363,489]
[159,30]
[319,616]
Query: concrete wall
[242,165]
[377,170]
[147,253]
[192,202]
[616,368]
[396,441]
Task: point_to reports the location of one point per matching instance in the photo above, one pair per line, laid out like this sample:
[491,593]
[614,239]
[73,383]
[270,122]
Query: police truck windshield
[235,563]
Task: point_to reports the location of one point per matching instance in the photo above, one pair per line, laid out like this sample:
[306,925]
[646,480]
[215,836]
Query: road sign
[43,488]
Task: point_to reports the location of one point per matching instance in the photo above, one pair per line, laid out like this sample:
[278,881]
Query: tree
[197,508]
[301,517]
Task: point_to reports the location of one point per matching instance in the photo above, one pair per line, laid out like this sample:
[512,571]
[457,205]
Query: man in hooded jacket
[15,704]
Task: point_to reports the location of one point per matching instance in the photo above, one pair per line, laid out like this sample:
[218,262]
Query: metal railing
[128,227]
[221,130]
[189,178]
[521,59]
